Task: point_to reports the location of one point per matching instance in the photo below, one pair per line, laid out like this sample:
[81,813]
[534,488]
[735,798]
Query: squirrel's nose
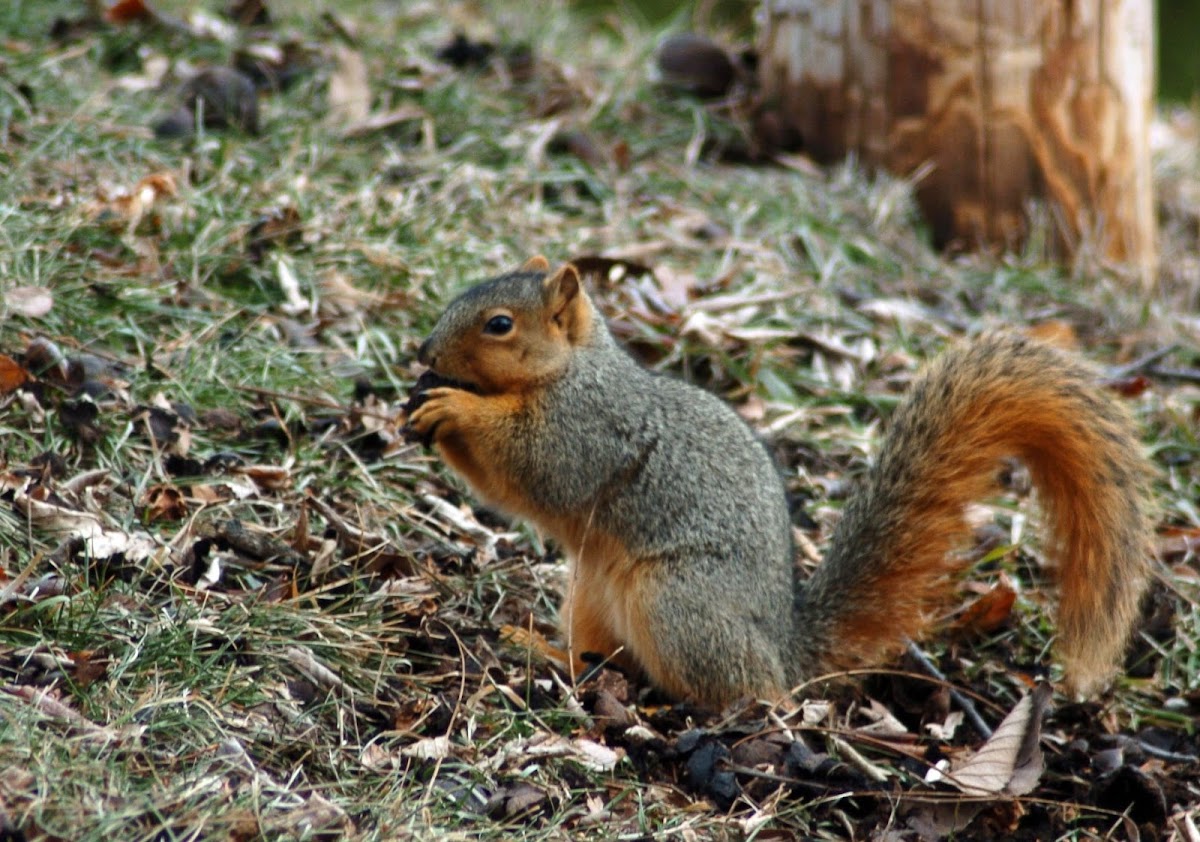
[423,355]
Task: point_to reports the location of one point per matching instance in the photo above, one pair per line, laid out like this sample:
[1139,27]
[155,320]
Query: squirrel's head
[514,331]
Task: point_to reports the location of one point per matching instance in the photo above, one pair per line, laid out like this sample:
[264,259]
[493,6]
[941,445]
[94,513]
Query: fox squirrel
[674,516]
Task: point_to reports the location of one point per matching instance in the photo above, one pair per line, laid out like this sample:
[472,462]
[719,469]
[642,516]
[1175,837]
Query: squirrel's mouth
[430,379]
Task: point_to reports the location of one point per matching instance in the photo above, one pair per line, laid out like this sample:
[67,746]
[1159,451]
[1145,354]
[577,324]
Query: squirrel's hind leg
[699,647]
[587,625]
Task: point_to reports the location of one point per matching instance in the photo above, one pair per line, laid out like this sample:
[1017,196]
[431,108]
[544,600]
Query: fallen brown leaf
[164,502]
[991,611]
[12,375]
[1010,762]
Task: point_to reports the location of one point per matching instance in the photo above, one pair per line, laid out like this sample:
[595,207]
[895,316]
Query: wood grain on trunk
[997,103]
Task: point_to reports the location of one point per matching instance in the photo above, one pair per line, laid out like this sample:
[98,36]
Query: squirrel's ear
[537,263]
[567,303]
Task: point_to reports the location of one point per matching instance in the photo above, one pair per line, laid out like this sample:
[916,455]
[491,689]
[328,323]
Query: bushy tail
[1002,396]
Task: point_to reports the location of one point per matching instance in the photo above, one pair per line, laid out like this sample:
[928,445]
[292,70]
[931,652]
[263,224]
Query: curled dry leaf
[515,800]
[315,671]
[430,748]
[464,523]
[131,204]
[340,298]
[267,477]
[164,502]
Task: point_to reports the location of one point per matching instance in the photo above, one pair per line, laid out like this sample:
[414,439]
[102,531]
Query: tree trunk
[995,104]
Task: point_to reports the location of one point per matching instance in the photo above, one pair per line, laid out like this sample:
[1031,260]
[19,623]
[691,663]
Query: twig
[1119,372]
[960,699]
[1188,375]
[1164,754]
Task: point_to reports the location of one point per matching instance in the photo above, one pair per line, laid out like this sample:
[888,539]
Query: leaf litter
[299,625]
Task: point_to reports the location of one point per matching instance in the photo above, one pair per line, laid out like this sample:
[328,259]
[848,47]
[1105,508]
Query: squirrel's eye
[498,325]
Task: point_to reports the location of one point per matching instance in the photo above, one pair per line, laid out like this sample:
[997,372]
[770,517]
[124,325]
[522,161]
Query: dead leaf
[54,516]
[676,287]
[1130,387]
[940,821]
[340,298]
[882,722]
[132,204]
[277,227]
[207,495]
[991,611]
[267,477]
[163,502]
[589,754]
[12,375]
[349,90]
[127,11]
[516,800]
[32,302]
[89,666]
[1010,762]
[429,748]
[295,303]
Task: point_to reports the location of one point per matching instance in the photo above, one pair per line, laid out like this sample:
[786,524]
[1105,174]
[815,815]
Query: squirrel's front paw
[440,413]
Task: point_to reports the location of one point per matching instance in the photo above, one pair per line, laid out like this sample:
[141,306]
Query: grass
[344,670]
